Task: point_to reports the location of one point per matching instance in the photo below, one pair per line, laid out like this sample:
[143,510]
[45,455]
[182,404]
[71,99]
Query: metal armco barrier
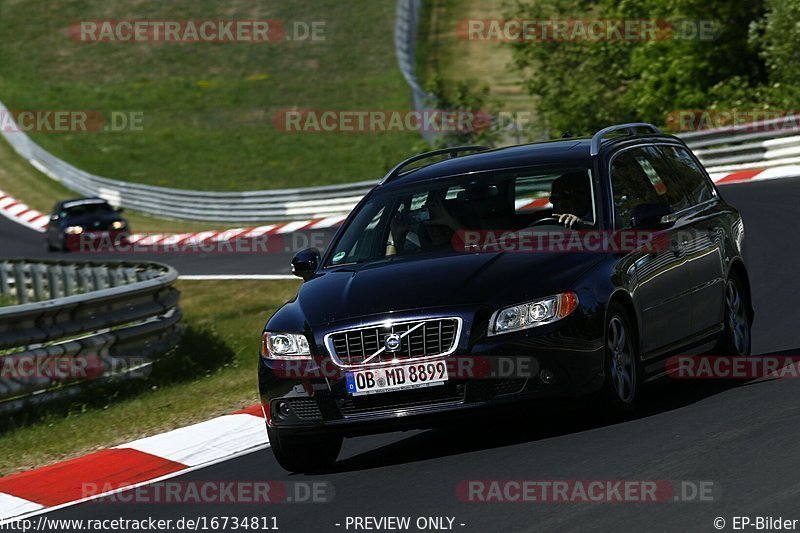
[406,26]
[246,206]
[761,145]
[64,324]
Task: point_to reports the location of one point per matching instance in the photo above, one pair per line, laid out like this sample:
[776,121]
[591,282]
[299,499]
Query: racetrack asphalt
[741,436]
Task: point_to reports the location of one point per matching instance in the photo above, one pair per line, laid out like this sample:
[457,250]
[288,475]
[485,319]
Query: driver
[572,200]
[438,229]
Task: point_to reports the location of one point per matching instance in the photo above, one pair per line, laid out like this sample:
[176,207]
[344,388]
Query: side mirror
[119,209]
[305,263]
[652,216]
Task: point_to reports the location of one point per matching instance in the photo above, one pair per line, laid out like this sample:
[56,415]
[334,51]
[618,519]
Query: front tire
[736,339]
[304,454]
[623,376]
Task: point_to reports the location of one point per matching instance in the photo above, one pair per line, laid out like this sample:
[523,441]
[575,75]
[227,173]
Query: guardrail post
[68,271]
[115,277]
[4,288]
[100,278]
[19,283]
[85,279]
[37,282]
[130,275]
[54,281]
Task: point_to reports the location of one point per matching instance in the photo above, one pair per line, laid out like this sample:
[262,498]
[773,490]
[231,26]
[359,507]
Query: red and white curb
[754,174]
[136,463]
[19,212]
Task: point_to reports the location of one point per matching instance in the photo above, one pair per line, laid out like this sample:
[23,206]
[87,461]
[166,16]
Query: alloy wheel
[623,372]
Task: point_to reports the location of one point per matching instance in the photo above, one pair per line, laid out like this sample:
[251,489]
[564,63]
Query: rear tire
[623,374]
[304,454]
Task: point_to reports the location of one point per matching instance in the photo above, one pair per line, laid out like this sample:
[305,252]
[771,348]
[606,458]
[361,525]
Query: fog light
[283,410]
[547,376]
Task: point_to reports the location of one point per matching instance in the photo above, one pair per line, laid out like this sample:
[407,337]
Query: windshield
[423,218]
[80,210]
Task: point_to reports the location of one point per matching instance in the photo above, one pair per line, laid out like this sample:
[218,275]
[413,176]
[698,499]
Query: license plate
[394,378]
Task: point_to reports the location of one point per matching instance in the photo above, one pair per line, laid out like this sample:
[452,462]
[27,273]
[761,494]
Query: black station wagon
[489,277]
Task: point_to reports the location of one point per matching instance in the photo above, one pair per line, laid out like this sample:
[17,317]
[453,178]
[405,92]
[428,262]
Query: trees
[748,61]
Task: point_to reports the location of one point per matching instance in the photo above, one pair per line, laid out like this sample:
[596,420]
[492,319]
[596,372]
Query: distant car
[393,300]
[83,222]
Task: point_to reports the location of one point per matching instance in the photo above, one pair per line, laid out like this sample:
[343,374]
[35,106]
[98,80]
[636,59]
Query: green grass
[225,320]
[22,181]
[208,108]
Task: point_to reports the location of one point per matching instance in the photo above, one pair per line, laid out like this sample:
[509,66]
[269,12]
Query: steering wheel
[546,221]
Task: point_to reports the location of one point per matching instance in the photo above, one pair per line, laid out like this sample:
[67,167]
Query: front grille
[441,394]
[418,339]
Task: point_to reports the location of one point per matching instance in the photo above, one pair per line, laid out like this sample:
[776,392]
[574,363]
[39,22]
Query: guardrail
[766,144]
[406,27]
[247,206]
[64,325]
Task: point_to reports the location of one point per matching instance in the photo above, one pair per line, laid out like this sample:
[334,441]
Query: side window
[634,184]
[662,175]
[644,176]
[690,176]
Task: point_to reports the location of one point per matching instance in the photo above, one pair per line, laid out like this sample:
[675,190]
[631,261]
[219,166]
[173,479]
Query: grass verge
[226,318]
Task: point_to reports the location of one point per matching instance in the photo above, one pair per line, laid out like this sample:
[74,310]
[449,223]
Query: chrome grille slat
[420,339]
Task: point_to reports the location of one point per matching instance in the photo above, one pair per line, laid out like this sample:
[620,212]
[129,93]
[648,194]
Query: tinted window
[687,172]
[643,176]
[632,186]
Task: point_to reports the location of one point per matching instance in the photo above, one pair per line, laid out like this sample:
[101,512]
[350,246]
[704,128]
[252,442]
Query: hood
[493,279]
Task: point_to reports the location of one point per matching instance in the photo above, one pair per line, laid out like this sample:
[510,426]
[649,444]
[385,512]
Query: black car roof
[573,150]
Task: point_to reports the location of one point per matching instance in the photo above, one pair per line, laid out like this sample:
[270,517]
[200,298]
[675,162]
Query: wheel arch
[623,298]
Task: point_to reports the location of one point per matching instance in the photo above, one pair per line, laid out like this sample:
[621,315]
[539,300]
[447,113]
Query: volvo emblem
[392,342]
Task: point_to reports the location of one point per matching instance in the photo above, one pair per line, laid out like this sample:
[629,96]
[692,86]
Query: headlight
[533,314]
[284,346]
[117,224]
[73,230]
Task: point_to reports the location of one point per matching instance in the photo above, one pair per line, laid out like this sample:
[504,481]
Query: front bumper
[316,399]
[97,240]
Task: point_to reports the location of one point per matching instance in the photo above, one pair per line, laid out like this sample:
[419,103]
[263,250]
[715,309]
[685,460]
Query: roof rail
[452,152]
[598,137]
